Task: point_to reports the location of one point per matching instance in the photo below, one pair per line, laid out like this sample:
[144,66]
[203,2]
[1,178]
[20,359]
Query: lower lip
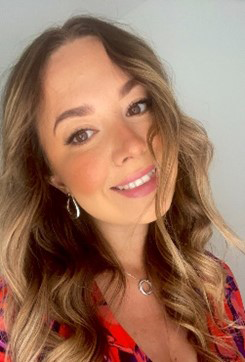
[141,190]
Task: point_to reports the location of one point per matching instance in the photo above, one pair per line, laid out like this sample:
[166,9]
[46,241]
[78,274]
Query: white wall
[22,20]
[203,43]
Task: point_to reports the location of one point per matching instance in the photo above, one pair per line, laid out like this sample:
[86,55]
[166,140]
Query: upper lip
[135,176]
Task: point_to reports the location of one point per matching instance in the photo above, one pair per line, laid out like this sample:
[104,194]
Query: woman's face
[94,148]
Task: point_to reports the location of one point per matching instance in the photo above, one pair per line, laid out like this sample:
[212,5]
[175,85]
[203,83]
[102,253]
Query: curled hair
[49,262]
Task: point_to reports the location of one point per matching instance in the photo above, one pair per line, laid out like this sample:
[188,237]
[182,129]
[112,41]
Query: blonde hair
[49,273]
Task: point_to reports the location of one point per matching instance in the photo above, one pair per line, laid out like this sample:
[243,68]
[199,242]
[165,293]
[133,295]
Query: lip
[135,176]
[140,191]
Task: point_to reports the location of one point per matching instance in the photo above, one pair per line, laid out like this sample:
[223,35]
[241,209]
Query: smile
[138,182]
[140,187]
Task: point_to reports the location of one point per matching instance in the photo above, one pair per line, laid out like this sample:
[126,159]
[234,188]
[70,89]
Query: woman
[106,210]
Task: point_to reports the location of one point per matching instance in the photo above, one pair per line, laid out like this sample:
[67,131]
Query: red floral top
[122,348]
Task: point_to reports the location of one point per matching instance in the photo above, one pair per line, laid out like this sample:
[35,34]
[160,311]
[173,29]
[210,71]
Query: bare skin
[148,323]
[79,73]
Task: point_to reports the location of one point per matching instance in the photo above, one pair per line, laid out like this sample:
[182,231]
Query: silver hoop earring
[72,207]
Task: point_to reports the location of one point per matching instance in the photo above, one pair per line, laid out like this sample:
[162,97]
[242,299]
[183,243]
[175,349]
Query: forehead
[80,69]
[82,59]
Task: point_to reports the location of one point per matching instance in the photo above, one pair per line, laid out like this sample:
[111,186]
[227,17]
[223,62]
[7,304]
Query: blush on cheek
[85,177]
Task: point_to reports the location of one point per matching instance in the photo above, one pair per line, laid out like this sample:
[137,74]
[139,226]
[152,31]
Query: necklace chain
[144,285]
[148,291]
[132,276]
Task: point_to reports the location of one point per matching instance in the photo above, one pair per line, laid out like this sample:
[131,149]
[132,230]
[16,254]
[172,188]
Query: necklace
[144,285]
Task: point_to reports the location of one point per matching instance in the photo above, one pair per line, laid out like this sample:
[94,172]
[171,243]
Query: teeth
[145,178]
[138,182]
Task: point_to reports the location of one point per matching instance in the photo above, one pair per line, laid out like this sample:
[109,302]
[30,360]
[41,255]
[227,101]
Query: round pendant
[145,286]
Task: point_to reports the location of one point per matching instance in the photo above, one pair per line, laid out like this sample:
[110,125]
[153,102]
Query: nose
[129,142]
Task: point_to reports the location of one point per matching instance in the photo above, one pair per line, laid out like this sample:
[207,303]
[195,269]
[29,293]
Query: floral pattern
[122,348]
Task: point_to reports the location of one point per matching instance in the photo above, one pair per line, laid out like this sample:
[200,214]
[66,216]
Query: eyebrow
[87,109]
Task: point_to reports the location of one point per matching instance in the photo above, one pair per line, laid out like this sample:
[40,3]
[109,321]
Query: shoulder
[232,292]
[234,310]
[62,330]
[3,332]
[233,301]
[3,296]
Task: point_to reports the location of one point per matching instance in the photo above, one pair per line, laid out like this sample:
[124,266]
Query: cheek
[85,176]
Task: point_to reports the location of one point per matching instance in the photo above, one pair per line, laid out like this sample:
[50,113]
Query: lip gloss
[141,190]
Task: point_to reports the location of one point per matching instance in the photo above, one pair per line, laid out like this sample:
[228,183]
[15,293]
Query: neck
[127,242]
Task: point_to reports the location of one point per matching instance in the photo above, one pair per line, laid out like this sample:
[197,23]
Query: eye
[140,107]
[79,137]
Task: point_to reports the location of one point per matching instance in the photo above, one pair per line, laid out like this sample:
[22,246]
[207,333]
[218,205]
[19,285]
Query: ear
[57,182]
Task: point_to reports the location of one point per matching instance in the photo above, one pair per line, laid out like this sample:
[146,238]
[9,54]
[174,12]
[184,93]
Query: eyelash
[71,138]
